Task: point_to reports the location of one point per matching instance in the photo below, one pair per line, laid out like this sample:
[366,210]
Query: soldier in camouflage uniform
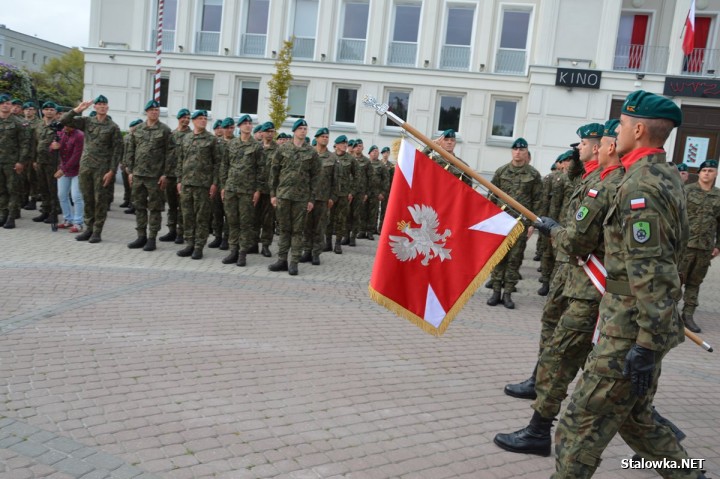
[646,231]
[326,195]
[523,182]
[683,170]
[447,141]
[240,190]
[174,214]
[703,211]
[218,225]
[149,159]
[339,223]
[544,206]
[15,148]
[264,222]
[390,168]
[102,151]
[29,181]
[376,191]
[360,205]
[46,165]
[198,164]
[571,341]
[294,175]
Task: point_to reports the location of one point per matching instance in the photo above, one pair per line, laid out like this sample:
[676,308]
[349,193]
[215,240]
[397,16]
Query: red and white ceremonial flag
[440,240]
[689,39]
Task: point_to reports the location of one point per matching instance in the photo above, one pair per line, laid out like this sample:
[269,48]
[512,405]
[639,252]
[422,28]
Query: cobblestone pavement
[118,363]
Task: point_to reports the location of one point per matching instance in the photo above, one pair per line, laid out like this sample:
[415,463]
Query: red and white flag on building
[689,38]
[440,241]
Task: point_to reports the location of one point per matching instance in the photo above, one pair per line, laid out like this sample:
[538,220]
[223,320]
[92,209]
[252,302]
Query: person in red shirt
[71,148]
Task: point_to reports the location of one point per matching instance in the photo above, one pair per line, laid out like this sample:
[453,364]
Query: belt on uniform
[617,287]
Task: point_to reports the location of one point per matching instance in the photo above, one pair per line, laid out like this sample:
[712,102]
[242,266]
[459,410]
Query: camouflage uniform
[558,209]
[547,183]
[29,186]
[150,155]
[340,219]
[316,222]
[390,168]
[218,225]
[174,214]
[102,152]
[240,179]
[294,174]
[127,189]
[15,147]
[452,169]
[198,164]
[378,186]
[643,245]
[525,185]
[264,222]
[703,211]
[47,161]
[358,206]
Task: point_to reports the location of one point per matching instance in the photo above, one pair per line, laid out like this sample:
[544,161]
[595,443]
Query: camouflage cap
[708,164]
[641,104]
[267,126]
[134,123]
[100,99]
[372,148]
[519,143]
[183,112]
[198,113]
[591,130]
[322,131]
[5,98]
[385,149]
[227,123]
[449,133]
[610,128]
[341,139]
[682,167]
[298,123]
[29,104]
[150,104]
[50,104]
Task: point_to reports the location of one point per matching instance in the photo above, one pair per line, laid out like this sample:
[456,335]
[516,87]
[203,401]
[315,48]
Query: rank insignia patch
[581,213]
[641,231]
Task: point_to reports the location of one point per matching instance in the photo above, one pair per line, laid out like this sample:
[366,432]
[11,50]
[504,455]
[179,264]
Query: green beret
[591,130]
[28,104]
[322,131]
[314,142]
[5,98]
[351,143]
[283,135]
[198,113]
[227,123]
[244,118]
[267,126]
[217,124]
[101,99]
[358,141]
[50,104]
[519,143]
[641,104]
[385,148]
[553,167]
[135,123]
[374,147]
[150,104]
[341,139]
[610,128]
[183,112]
[17,101]
[298,123]
[307,139]
[449,133]
[257,128]
[92,114]
[708,164]
[561,157]
[682,167]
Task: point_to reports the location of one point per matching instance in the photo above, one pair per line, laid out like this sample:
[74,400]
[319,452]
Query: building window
[296,100]
[403,48]
[169,26]
[249,93]
[458,38]
[208,37]
[304,28]
[203,93]
[702,60]
[44,60]
[512,54]
[22,55]
[164,84]
[345,104]
[2,49]
[252,42]
[12,52]
[351,46]
[398,102]
[449,116]
[34,58]
[503,119]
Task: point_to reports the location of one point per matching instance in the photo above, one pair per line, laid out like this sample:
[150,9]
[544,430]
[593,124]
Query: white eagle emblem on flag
[424,240]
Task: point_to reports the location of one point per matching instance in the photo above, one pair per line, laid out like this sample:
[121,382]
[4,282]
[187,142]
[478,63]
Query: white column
[675,62]
[609,25]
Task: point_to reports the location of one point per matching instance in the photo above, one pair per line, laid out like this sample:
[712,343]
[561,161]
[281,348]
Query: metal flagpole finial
[370,101]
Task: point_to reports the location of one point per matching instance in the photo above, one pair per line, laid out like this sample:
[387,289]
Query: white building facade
[493,70]
[26,51]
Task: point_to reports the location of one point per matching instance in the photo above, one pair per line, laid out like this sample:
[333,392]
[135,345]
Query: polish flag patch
[592,193]
[637,204]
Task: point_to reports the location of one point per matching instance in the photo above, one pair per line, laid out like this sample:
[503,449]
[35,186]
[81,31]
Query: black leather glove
[545,225]
[639,365]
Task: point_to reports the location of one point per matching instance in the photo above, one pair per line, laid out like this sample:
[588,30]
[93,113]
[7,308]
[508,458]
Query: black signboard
[692,87]
[577,78]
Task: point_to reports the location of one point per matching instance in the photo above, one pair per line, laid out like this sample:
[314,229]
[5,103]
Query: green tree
[61,79]
[15,82]
[280,83]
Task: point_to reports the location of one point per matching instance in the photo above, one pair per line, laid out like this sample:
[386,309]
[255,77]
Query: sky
[66,22]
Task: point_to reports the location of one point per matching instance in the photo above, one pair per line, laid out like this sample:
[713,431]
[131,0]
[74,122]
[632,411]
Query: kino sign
[576,78]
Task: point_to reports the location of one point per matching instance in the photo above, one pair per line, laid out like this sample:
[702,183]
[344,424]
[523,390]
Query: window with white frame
[248,94]
[208,35]
[22,55]
[203,93]
[354,23]
[398,102]
[512,52]
[296,100]
[403,47]
[455,54]
[253,41]
[304,28]
[450,108]
[168,28]
[12,52]
[345,104]
[503,117]
[164,85]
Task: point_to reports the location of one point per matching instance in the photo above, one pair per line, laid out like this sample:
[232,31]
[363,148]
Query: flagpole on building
[382,110]
[158,56]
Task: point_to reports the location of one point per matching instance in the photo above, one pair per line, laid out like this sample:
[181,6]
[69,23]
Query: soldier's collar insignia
[641,231]
[637,204]
[592,193]
[581,213]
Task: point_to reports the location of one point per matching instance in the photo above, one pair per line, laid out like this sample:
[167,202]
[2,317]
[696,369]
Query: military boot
[197,253]
[253,249]
[9,222]
[51,219]
[370,237]
[279,265]
[242,259]
[2,220]
[306,257]
[533,439]
[544,289]
[316,260]
[129,211]
[138,243]
[338,248]
[179,239]
[537,257]
[16,214]
[224,245]
[494,299]
[30,205]
[507,301]
[84,236]
[345,239]
[42,217]
[328,243]
[232,257]
[525,389]
[361,235]
[215,243]
[186,251]
[489,284]
[351,241]
[690,322]
[95,238]
[171,235]
[125,204]
[151,245]
[265,251]
[293,269]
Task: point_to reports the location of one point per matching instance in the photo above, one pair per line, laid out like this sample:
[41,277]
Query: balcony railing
[351,50]
[168,40]
[641,58]
[455,57]
[304,47]
[510,61]
[702,61]
[402,53]
[207,42]
[252,44]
